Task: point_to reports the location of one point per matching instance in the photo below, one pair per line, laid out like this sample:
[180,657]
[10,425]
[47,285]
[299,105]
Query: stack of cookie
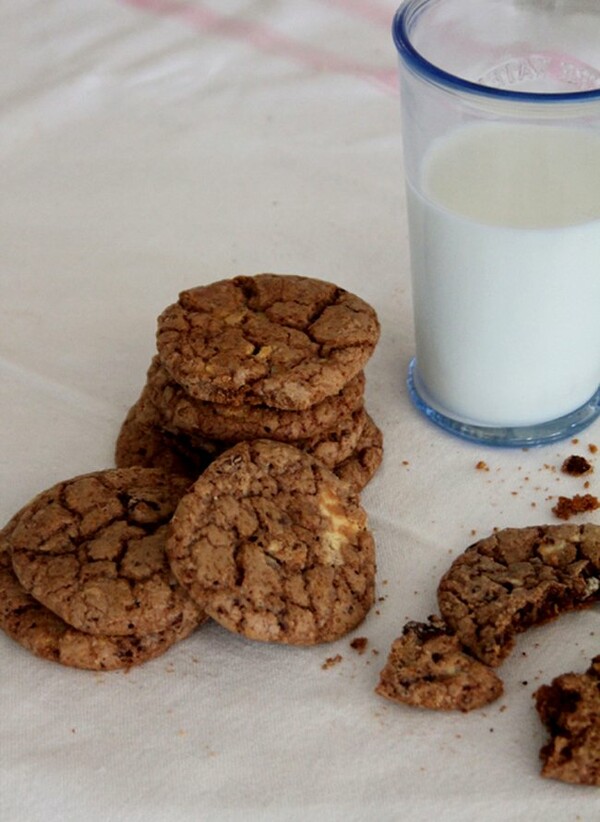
[84,575]
[276,357]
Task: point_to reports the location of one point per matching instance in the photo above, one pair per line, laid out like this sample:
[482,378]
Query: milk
[505,255]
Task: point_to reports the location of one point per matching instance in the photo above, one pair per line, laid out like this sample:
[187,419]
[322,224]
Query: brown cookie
[283,341]
[274,546]
[92,550]
[233,423]
[360,467]
[331,447]
[570,709]
[43,633]
[338,444]
[428,668]
[517,578]
[142,441]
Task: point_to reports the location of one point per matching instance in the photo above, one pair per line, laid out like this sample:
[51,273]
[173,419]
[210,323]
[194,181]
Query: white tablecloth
[151,145]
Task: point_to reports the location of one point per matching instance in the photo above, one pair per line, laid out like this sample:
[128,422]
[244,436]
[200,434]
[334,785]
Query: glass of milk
[501,137]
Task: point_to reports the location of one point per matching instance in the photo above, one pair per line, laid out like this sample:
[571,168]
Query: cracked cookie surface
[428,668]
[280,340]
[274,546]
[570,709]
[45,634]
[515,579]
[92,550]
[360,467]
[179,411]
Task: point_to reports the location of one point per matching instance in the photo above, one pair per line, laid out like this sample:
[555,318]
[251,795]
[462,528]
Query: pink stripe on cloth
[365,9]
[265,39]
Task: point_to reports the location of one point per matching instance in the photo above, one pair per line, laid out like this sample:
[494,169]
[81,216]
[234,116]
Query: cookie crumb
[360,644]
[567,507]
[331,661]
[576,465]
[482,466]
[592,448]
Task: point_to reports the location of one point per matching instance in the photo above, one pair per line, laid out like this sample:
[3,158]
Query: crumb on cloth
[567,507]
[576,466]
[359,644]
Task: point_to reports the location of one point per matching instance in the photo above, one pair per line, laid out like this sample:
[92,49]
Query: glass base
[513,436]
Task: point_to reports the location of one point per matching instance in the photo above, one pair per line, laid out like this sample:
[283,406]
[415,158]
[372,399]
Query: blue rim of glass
[407,14]
[525,436]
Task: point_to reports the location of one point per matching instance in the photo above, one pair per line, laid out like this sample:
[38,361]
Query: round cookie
[33,626]
[273,546]
[92,550]
[517,578]
[219,421]
[359,468]
[279,340]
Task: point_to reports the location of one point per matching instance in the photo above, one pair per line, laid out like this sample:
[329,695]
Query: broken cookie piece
[515,579]
[428,668]
[570,709]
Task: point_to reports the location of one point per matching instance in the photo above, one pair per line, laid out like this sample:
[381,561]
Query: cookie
[428,668]
[282,341]
[338,444]
[331,447]
[142,441]
[273,546]
[360,467]
[570,709]
[232,423]
[517,578]
[92,550]
[37,629]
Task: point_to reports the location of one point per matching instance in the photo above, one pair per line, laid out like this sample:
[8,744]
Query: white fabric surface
[151,145]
